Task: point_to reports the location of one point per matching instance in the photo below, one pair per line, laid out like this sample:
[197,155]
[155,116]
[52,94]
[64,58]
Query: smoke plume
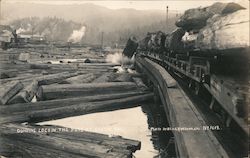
[77,35]
[20,30]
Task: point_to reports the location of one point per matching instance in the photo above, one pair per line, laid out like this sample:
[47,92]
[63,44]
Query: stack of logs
[215,27]
[32,93]
[221,26]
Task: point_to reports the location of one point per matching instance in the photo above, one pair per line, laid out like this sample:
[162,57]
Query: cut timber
[157,41]
[54,78]
[143,44]
[72,90]
[222,32]
[26,94]
[130,47]
[173,41]
[8,90]
[85,78]
[41,105]
[72,143]
[196,18]
[50,113]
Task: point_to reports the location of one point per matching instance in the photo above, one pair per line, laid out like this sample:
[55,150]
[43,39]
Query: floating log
[24,57]
[18,148]
[100,65]
[49,64]
[8,90]
[24,77]
[26,94]
[8,56]
[60,70]
[85,78]
[222,32]
[8,73]
[97,60]
[86,108]
[41,105]
[75,109]
[87,89]
[54,78]
[39,66]
[138,81]
[66,140]
[123,77]
[106,77]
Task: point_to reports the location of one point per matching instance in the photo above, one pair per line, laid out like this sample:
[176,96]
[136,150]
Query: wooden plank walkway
[181,113]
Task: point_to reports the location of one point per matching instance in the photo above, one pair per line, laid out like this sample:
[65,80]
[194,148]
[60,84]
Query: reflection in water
[163,141]
[129,123]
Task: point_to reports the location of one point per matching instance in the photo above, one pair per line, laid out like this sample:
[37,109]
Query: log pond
[133,123]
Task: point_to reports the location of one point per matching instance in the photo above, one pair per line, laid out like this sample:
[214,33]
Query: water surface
[133,123]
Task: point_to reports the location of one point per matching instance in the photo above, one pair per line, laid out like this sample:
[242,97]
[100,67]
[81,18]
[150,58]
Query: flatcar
[214,57]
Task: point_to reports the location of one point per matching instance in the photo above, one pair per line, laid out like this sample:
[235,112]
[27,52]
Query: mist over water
[119,58]
[119,122]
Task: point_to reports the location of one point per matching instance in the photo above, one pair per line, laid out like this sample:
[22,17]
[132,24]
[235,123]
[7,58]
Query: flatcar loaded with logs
[210,49]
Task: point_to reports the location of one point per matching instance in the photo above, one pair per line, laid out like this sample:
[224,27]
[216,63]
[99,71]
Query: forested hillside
[117,25]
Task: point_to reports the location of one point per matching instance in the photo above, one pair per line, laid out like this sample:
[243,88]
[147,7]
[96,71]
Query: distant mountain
[117,25]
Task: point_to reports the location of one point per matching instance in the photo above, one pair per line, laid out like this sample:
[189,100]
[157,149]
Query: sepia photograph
[124,79]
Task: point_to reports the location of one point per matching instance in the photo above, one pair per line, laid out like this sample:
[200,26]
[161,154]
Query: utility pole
[167,18]
[0,12]
[102,39]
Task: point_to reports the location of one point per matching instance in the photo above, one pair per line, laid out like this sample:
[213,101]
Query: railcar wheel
[190,84]
[211,106]
[157,98]
[197,87]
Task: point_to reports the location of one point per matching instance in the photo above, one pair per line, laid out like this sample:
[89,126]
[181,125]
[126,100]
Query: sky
[178,5]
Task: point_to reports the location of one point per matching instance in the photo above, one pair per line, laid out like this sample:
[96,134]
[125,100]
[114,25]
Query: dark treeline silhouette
[58,29]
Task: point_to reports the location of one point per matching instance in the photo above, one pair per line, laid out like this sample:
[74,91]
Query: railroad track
[228,142]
